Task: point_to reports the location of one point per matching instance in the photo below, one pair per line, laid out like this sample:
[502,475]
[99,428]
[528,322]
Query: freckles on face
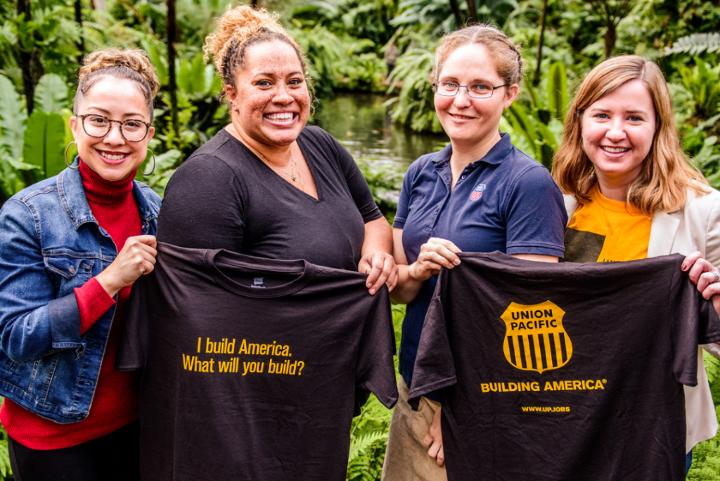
[112,157]
[271,102]
[618,131]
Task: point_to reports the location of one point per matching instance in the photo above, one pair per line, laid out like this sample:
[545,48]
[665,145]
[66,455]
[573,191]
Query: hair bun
[237,25]
[133,59]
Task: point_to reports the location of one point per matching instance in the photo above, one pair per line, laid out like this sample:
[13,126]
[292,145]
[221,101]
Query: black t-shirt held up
[224,197]
[563,372]
[253,368]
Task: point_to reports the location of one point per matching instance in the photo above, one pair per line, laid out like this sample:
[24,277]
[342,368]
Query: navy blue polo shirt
[505,202]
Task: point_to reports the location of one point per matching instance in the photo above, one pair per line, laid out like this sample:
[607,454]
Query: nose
[616,130]
[462,99]
[282,94]
[114,135]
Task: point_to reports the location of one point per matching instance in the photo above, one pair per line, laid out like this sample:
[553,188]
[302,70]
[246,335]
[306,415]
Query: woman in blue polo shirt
[478,194]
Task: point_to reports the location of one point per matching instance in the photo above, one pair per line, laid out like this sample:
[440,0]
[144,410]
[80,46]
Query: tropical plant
[535,120]
[32,148]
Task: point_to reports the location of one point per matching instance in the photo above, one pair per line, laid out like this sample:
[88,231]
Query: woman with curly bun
[268,185]
[71,246]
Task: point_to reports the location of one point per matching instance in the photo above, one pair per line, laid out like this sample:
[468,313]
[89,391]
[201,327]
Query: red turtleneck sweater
[114,404]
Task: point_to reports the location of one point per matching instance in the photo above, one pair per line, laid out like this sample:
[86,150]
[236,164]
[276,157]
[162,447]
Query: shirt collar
[496,155]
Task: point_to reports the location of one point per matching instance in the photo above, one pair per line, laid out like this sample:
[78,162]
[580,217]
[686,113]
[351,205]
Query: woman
[631,192]
[70,248]
[479,193]
[268,185]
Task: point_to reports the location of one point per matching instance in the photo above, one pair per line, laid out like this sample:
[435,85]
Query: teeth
[110,156]
[616,150]
[281,116]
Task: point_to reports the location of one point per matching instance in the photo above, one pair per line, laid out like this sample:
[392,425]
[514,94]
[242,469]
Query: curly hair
[236,30]
[666,174]
[130,64]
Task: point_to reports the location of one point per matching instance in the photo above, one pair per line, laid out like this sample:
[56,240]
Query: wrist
[107,282]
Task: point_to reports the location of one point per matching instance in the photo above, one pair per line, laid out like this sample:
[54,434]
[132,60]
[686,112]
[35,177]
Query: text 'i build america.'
[243,357]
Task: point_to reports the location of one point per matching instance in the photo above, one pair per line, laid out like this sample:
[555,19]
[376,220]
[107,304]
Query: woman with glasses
[477,194]
[71,246]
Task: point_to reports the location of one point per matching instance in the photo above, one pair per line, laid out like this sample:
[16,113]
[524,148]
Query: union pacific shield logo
[535,338]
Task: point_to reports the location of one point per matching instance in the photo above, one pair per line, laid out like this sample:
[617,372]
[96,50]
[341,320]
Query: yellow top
[607,230]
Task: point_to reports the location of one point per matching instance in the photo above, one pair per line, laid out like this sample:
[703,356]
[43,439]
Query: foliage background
[382,46]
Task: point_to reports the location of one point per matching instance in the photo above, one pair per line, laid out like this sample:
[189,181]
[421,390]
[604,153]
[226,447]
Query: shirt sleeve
[535,214]
[203,206]
[93,301]
[434,365]
[34,319]
[694,322]
[375,371]
[404,199]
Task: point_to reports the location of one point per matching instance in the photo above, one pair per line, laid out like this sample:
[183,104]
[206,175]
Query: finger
[440,458]
[445,243]
[375,273]
[427,440]
[434,449]
[690,260]
[148,240]
[387,269]
[392,280]
[697,268]
[708,284]
[437,258]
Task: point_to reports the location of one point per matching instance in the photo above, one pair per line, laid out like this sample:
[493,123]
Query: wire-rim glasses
[477,90]
[98,126]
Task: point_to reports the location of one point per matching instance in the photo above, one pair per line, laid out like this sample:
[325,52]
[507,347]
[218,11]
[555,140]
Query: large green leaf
[557,90]
[12,119]
[44,142]
[51,93]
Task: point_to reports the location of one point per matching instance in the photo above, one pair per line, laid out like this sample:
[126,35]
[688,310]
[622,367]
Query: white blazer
[695,227]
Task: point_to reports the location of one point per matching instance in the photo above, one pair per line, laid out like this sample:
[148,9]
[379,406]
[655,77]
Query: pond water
[361,123]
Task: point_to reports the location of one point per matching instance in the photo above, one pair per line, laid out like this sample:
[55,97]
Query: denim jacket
[50,243]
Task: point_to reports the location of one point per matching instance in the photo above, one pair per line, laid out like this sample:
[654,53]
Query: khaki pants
[406,458]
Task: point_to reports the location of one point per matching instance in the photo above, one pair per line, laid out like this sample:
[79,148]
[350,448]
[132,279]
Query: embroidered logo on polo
[535,338]
[477,192]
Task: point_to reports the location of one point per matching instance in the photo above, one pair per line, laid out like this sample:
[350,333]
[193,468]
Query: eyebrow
[603,109]
[108,113]
[272,74]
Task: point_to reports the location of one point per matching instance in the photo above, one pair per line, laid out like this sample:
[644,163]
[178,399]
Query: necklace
[284,172]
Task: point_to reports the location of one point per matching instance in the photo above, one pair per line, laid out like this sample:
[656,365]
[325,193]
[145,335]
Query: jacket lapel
[662,233]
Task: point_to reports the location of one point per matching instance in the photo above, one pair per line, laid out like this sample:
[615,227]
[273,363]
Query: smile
[281,117]
[112,157]
[460,116]
[614,150]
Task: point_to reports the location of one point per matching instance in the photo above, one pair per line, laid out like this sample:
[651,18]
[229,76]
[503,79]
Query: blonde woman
[631,193]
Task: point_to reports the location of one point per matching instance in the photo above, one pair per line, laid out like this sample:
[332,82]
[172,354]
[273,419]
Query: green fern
[695,44]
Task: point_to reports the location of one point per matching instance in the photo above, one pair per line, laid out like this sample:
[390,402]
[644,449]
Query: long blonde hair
[665,175]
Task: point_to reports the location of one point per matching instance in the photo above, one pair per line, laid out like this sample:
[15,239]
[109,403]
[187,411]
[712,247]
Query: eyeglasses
[98,126]
[479,90]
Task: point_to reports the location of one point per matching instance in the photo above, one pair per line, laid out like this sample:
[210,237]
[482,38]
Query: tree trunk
[28,60]
[81,42]
[472,11]
[172,83]
[541,41]
[455,7]
[610,38]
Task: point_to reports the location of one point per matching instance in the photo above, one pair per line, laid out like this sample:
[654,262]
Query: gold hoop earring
[71,164]
[152,158]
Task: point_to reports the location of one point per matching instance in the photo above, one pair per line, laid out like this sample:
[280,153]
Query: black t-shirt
[253,368]
[563,372]
[224,197]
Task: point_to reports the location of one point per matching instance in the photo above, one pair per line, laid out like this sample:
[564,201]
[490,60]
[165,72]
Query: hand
[136,258]
[380,268]
[705,276]
[433,439]
[435,254]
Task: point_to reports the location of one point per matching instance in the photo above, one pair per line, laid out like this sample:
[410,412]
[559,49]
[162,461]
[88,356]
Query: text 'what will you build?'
[242,357]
